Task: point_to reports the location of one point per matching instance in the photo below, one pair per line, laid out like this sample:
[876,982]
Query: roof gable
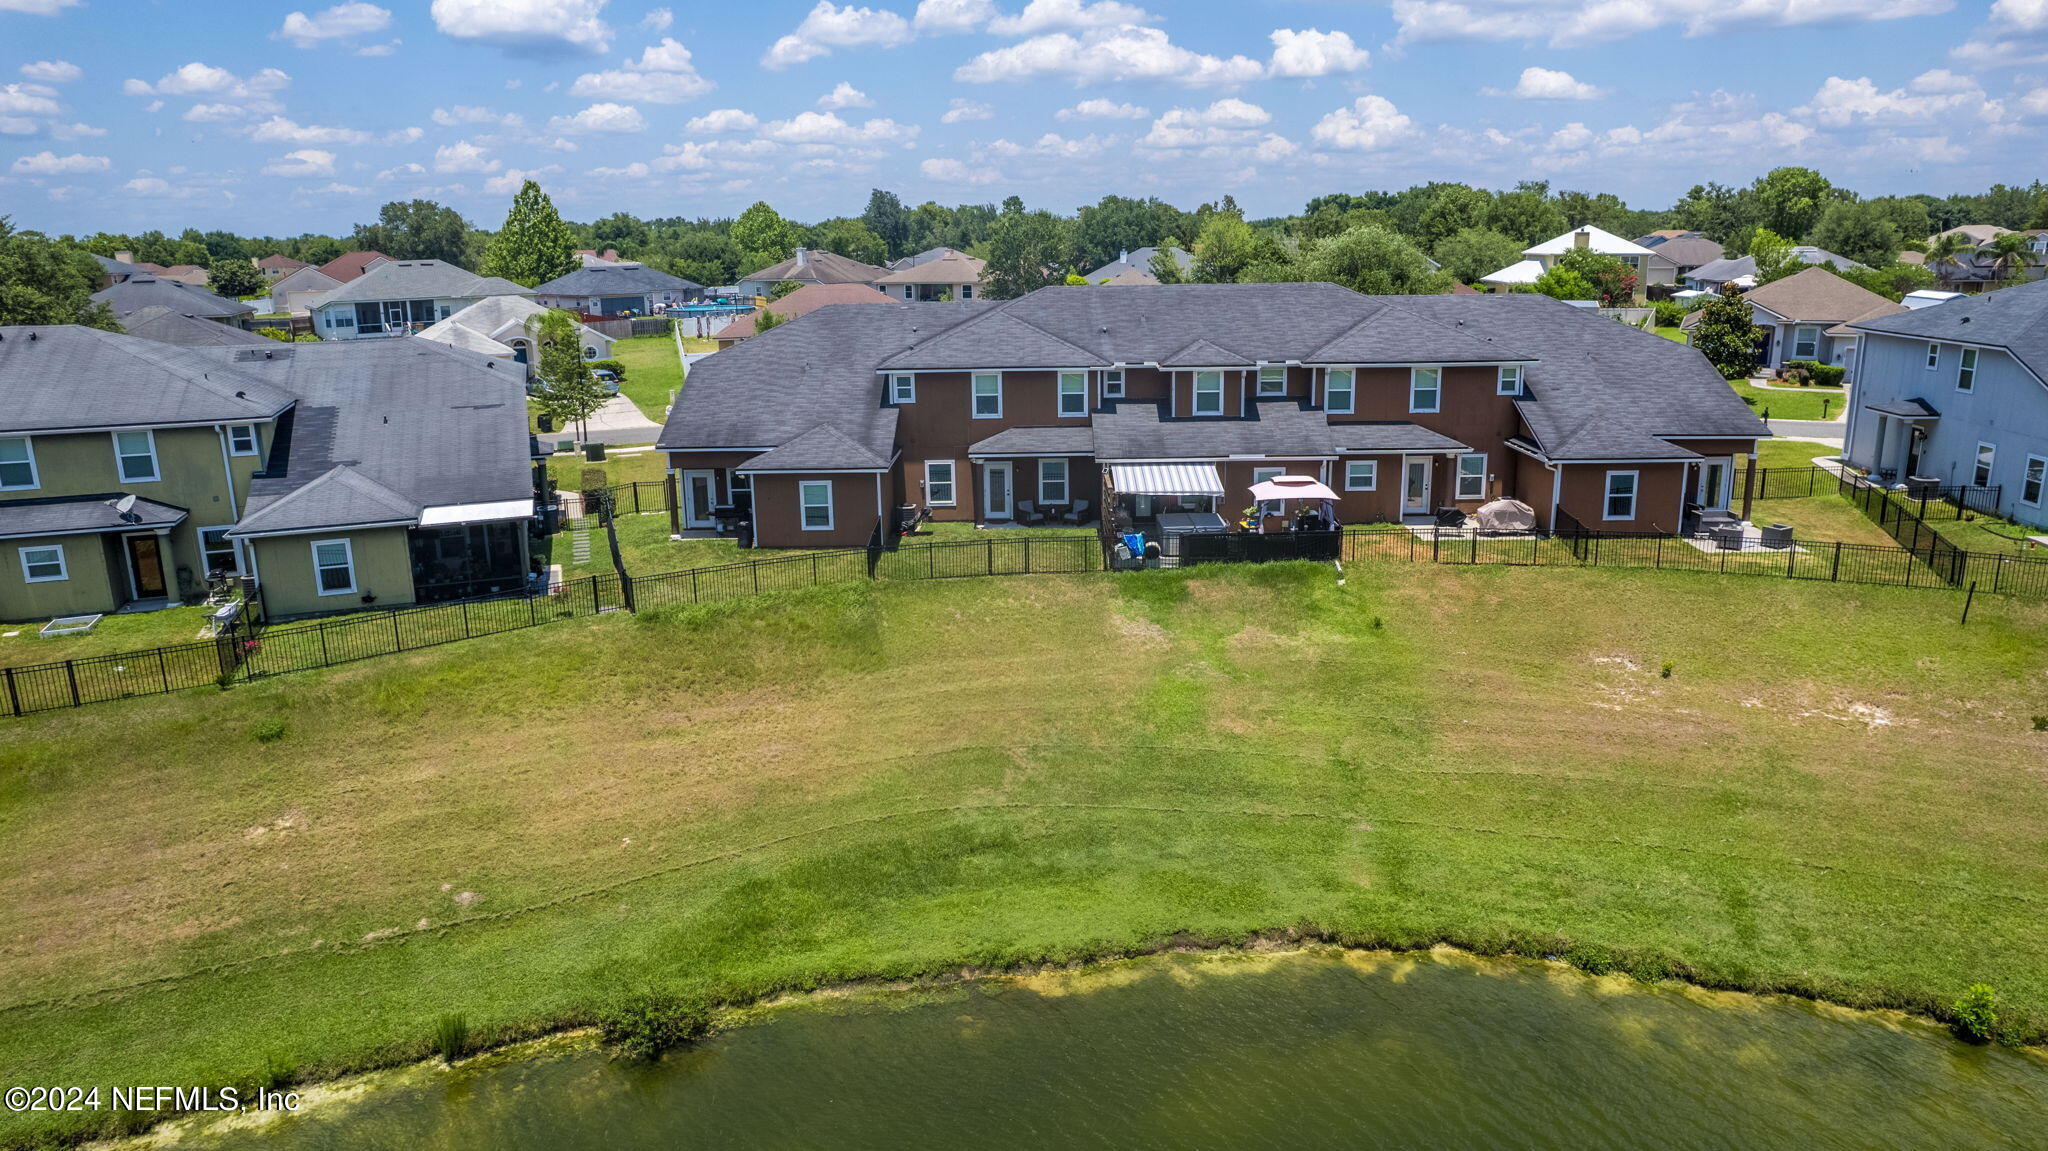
[1204,353]
[995,339]
[1816,295]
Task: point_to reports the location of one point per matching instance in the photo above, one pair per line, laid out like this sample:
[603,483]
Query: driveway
[617,423]
[1828,432]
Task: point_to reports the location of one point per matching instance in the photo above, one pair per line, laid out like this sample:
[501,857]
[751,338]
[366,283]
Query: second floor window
[1208,393]
[1073,393]
[1273,381]
[242,440]
[902,389]
[1966,370]
[1510,380]
[1933,356]
[1425,389]
[135,456]
[1113,383]
[988,395]
[17,463]
[1338,390]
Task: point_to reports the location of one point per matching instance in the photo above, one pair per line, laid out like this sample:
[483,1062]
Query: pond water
[1307,1050]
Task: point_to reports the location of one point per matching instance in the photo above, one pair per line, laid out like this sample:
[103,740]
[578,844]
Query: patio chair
[1778,536]
[1029,513]
[1728,537]
[1078,514]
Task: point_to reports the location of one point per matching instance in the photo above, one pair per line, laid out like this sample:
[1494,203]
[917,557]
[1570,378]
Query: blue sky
[258,117]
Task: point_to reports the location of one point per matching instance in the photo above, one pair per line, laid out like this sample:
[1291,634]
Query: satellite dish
[125,508]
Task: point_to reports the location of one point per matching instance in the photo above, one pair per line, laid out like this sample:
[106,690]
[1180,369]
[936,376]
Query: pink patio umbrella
[1298,488]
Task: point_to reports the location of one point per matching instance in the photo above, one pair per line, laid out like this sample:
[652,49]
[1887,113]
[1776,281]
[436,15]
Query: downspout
[1556,492]
[227,470]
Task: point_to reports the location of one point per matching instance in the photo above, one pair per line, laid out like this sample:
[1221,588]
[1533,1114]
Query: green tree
[1026,251]
[1526,217]
[1226,246]
[1561,283]
[765,318]
[1604,210]
[568,392]
[1165,267]
[1375,260]
[782,288]
[1772,253]
[707,257]
[45,282]
[1891,281]
[534,245]
[316,249]
[1614,283]
[886,218]
[1789,201]
[1454,208]
[764,238]
[624,231]
[417,230]
[1474,252]
[852,239]
[2012,253]
[233,277]
[1947,248]
[1726,334]
[1716,211]
[1858,231]
[1117,224]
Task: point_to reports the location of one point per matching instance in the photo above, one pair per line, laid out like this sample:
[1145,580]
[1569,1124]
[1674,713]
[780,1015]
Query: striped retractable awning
[1166,479]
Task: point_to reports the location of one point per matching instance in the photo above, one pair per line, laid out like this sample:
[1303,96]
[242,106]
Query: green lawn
[645,467]
[114,633]
[1833,791]
[1673,334]
[1788,404]
[652,372]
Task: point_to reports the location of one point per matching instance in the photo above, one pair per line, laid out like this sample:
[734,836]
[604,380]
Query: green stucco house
[135,474]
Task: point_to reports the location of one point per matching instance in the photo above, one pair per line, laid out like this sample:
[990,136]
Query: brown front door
[146,566]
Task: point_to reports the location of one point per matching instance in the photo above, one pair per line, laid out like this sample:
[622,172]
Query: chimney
[125,257]
[1581,238]
[802,259]
[1124,257]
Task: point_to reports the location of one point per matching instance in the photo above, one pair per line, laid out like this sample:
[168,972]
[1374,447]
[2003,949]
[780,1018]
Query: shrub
[618,367]
[270,730]
[276,1073]
[1829,375]
[647,1023]
[1665,671]
[1590,958]
[451,1037]
[1669,313]
[1976,1015]
[2041,723]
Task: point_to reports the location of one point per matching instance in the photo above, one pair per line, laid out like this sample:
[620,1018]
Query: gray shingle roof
[1723,270]
[169,326]
[822,449]
[421,280]
[1392,436]
[1390,334]
[1204,354]
[615,280]
[1684,251]
[138,292]
[817,266]
[1141,431]
[816,369]
[2014,318]
[1139,263]
[1066,441]
[66,376]
[70,515]
[995,338]
[120,267]
[385,427]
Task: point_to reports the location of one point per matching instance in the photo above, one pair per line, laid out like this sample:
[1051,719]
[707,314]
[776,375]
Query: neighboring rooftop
[1975,233]
[603,279]
[421,280]
[1135,267]
[349,265]
[111,380]
[814,266]
[939,266]
[486,325]
[2014,318]
[169,326]
[280,265]
[1816,295]
[804,300]
[1686,249]
[1594,239]
[143,291]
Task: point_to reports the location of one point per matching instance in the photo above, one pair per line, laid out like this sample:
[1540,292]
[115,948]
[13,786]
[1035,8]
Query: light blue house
[1959,392]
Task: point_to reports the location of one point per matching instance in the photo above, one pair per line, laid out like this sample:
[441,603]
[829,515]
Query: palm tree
[2012,252]
[1947,248]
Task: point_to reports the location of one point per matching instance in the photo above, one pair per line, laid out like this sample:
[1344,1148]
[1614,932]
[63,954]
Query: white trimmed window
[1113,383]
[1933,356]
[1273,381]
[988,395]
[219,551]
[334,567]
[902,389]
[1361,475]
[1510,380]
[1425,389]
[1981,474]
[1472,476]
[967,291]
[1805,342]
[2032,479]
[1966,370]
[1620,503]
[815,499]
[242,440]
[1073,393]
[1208,393]
[135,456]
[44,564]
[938,482]
[17,464]
[1339,389]
[1052,481]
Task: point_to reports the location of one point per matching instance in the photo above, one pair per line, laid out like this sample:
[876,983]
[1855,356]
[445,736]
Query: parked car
[607,380]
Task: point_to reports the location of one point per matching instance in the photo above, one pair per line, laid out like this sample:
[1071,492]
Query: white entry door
[1415,486]
[995,491]
[700,498]
[1716,483]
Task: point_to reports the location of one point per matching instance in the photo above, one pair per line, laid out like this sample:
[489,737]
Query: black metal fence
[1247,547]
[150,671]
[635,496]
[1792,483]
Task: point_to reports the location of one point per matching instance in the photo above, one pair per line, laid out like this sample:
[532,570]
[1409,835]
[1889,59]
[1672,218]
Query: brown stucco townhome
[1179,397]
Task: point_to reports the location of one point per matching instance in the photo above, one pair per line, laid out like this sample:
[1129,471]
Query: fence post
[693,586]
[595,607]
[991,555]
[397,640]
[626,590]
[1027,555]
[163,668]
[71,673]
[1835,573]
[1657,557]
[13,694]
[325,659]
[1997,572]
[1435,543]
[1475,545]
[465,621]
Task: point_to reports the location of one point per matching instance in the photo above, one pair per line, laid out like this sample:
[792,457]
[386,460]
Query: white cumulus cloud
[830,26]
[964,109]
[948,170]
[1366,124]
[1552,84]
[845,95]
[1100,109]
[1315,53]
[663,74]
[829,128]
[724,120]
[1050,15]
[280,130]
[47,163]
[941,17]
[52,71]
[605,117]
[463,156]
[302,163]
[658,20]
[1111,55]
[526,23]
[337,23]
